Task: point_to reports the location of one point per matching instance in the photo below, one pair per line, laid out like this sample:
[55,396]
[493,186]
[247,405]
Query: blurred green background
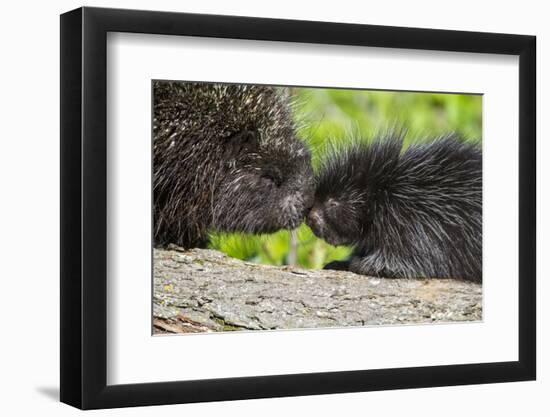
[337,115]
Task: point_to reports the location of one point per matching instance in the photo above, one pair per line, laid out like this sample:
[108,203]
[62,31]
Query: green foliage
[274,249]
[337,115]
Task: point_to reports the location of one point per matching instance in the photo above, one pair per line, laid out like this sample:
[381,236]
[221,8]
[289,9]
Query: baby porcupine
[225,158]
[412,213]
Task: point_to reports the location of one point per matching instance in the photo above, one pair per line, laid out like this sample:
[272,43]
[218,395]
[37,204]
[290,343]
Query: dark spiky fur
[226,158]
[411,213]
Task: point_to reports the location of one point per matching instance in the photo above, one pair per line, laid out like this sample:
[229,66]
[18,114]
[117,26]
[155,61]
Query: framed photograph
[259,208]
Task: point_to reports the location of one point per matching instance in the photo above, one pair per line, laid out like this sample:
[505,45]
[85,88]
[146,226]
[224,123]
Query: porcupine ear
[242,143]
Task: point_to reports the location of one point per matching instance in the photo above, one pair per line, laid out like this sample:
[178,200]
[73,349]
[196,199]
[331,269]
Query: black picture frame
[84,209]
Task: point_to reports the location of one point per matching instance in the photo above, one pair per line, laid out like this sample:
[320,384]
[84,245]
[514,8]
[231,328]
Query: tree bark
[203,290]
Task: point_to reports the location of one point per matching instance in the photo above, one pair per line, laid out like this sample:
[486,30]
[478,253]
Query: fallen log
[202,290]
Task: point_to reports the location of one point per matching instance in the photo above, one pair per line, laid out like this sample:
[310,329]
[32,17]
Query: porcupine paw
[338,265]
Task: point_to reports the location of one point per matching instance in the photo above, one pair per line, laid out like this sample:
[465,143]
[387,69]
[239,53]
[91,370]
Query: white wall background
[29,209]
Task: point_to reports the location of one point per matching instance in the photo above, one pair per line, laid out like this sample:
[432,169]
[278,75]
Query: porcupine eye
[242,143]
[272,178]
[333,208]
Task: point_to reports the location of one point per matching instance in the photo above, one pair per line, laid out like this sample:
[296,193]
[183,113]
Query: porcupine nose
[315,221]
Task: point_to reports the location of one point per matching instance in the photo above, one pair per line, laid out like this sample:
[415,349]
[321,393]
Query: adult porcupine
[225,158]
[411,213]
